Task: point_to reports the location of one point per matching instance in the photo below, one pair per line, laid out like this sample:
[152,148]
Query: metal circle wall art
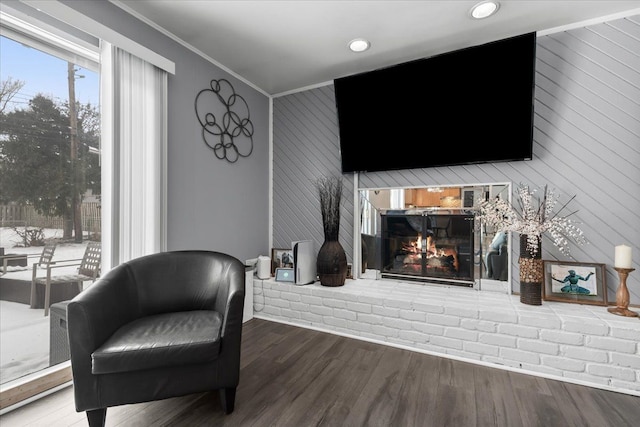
[224,117]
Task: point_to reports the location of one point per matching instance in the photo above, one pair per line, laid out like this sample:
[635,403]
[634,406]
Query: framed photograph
[281,258]
[575,282]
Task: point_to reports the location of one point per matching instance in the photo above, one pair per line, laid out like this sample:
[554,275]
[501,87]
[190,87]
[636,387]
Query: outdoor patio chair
[44,258]
[88,270]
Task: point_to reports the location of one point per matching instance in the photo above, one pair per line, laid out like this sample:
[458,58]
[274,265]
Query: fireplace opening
[428,246]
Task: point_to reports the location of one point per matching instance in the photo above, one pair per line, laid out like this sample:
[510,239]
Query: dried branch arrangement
[330,192]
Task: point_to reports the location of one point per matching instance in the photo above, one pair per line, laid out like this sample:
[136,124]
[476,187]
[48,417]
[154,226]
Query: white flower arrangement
[532,221]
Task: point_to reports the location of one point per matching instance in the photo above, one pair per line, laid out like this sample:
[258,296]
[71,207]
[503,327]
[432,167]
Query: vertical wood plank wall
[586,143]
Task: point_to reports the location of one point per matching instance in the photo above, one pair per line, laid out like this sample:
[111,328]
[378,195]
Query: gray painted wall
[586,143]
[212,204]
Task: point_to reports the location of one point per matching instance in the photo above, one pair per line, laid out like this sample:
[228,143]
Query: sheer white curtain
[134,102]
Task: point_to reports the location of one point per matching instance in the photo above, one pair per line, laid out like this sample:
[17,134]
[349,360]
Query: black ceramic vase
[332,264]
[531,273]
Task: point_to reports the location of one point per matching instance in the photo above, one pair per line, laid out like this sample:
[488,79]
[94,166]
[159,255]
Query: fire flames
[415,247]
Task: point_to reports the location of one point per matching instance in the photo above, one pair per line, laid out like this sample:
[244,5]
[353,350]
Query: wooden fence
[21,216]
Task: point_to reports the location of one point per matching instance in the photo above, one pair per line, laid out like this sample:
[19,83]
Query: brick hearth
[577,343]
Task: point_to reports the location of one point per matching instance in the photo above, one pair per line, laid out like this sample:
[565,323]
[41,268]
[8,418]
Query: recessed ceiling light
[359,45]
[484,9]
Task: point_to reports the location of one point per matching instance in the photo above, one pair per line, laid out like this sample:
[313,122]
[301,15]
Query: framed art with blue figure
[574,282]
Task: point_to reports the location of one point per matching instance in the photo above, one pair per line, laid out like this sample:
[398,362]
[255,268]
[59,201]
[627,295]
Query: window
[50,185]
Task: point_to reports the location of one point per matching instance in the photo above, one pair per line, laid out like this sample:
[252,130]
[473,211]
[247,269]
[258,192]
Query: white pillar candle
[623,256]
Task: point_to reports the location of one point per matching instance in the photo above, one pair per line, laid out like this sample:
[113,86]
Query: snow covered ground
[24,341]
[24,332]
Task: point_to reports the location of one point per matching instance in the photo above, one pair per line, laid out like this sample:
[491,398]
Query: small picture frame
[281,258]
[574,282]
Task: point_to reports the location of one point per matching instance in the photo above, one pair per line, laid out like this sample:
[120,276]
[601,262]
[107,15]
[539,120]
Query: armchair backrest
[504,249]
[184,280]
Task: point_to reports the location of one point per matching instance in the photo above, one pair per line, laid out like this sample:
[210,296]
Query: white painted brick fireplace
[581,344]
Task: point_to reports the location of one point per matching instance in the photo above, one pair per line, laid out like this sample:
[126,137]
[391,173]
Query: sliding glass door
[50,189]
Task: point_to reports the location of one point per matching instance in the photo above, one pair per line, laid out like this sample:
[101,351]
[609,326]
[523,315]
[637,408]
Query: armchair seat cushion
[169,339]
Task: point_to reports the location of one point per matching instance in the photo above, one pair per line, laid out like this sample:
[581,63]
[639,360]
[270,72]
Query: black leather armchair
[159,326]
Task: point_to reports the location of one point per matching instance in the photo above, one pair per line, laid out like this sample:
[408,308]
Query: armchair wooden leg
[228,399]
[97,417]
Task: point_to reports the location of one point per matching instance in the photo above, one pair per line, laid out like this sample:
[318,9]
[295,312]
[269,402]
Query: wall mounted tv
[473,105]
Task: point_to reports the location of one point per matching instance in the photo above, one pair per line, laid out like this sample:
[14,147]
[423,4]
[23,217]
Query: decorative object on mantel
[622,264]
[575,282]
[531,271]
[281,258]
[332,259]
[531,222]
[224,117]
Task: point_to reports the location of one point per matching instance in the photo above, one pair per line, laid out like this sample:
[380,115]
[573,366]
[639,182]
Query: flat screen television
[473,105]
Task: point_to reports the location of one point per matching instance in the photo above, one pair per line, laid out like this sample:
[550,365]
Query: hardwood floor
[298,377]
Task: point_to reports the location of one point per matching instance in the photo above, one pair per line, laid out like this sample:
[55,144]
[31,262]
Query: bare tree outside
[8,89]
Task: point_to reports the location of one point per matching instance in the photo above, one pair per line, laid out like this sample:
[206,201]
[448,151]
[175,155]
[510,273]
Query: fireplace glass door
[428,246]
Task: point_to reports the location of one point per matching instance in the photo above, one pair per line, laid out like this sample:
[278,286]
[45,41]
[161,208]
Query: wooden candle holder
[622,295]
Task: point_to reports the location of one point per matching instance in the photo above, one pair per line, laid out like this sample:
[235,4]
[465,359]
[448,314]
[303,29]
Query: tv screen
[473,105]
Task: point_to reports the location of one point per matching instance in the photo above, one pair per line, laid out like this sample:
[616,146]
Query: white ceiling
[283,46]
